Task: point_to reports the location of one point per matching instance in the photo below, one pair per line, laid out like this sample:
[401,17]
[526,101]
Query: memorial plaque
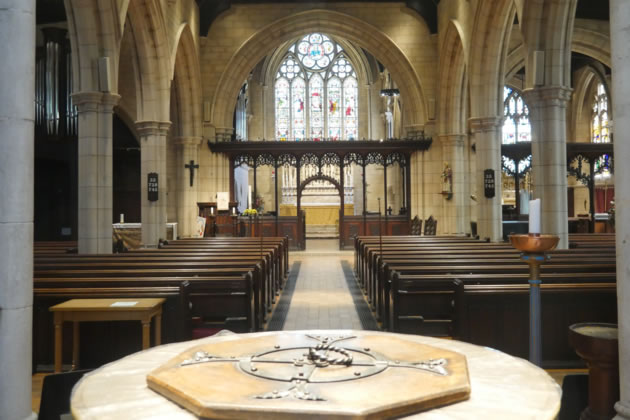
[488,183]
[287,375]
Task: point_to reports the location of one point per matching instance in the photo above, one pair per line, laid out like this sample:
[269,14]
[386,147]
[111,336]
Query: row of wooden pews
[477,291]
[208,284]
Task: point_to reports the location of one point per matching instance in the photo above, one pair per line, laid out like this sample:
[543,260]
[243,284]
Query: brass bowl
[534,243]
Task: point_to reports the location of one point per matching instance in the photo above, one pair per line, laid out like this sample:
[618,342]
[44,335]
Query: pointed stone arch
[154,60]
[487,59]
[330,22]
[589,39]
[186,75]
[94,32]
[453,64]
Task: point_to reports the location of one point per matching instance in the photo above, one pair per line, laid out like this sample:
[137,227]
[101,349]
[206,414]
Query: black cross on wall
[192,168]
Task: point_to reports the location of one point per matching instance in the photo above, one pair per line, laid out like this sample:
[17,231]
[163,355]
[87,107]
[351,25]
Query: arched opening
[321,205]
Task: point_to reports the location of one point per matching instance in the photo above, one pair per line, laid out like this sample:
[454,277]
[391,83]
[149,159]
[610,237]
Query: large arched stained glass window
[600,125]
[316,92]
[516,126]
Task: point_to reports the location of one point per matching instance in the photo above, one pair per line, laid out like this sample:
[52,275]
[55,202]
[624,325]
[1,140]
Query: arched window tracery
[316,92]
[516,126]
[600,125]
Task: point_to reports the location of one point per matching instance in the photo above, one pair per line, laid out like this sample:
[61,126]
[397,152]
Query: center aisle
[321,299]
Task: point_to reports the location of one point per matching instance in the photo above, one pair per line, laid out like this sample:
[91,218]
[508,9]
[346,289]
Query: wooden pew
[264,276]
[494,312]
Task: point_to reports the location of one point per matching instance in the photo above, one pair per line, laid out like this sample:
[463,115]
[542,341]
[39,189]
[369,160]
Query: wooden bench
[435,286]
[494,312]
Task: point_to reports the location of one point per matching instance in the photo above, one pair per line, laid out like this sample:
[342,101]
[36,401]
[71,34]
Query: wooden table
[77,310]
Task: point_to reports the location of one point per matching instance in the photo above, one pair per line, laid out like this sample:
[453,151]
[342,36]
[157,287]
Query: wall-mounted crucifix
[192,168]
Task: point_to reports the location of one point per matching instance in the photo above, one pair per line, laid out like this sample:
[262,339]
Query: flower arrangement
[250,212]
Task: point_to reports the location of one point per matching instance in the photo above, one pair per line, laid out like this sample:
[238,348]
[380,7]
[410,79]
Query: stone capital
[547,95]
[452,140]
[95,101]
[485,124]
[110,100]
[188,141]
[152,128]
[224,133]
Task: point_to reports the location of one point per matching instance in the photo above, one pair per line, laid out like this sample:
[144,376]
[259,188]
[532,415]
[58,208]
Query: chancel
[310,190]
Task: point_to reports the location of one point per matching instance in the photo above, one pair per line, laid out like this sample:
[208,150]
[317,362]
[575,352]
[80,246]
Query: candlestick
[249,203]
[122,218]
[534,250]
[534,216]
[233,210]
[212,211]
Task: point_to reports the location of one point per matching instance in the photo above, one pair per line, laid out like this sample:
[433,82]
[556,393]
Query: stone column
[153,159]
[488,146]
[455,208]
[95,157]
[187,194]
[17,96]
[548,113]
[620,52]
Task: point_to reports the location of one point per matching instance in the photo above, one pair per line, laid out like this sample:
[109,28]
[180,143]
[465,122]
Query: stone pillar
[620,52]
[187,194]
[95,157]
[548,113]
[17,96]
[455,207]
[153,159]
[488,146]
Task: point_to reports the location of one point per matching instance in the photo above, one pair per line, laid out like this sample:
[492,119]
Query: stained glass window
[298,94]
[316,84]
[333,89]
[600,125]
[516,126]
[316,92]
[600,130]
[282,109]
[350,108]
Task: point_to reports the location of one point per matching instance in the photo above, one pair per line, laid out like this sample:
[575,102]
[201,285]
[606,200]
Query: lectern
[209,211]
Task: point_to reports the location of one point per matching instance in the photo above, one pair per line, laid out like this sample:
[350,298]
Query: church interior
[410,176]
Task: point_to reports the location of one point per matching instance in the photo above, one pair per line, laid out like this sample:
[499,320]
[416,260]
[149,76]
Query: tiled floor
[321,299]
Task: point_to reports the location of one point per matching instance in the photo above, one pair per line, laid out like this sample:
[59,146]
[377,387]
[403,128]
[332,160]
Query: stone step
[321,231]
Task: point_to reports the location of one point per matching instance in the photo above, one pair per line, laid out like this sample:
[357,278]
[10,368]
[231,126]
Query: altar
[131,234]
[500,386]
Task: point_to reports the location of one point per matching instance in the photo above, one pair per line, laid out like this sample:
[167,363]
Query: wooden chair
[430,227]
[416,226]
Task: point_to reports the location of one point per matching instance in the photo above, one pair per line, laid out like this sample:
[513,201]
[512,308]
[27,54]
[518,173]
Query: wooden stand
[597,344]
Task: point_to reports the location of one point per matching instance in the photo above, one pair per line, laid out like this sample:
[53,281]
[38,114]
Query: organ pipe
[55,115]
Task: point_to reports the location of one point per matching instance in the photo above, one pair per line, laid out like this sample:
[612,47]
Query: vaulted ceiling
[210,9]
